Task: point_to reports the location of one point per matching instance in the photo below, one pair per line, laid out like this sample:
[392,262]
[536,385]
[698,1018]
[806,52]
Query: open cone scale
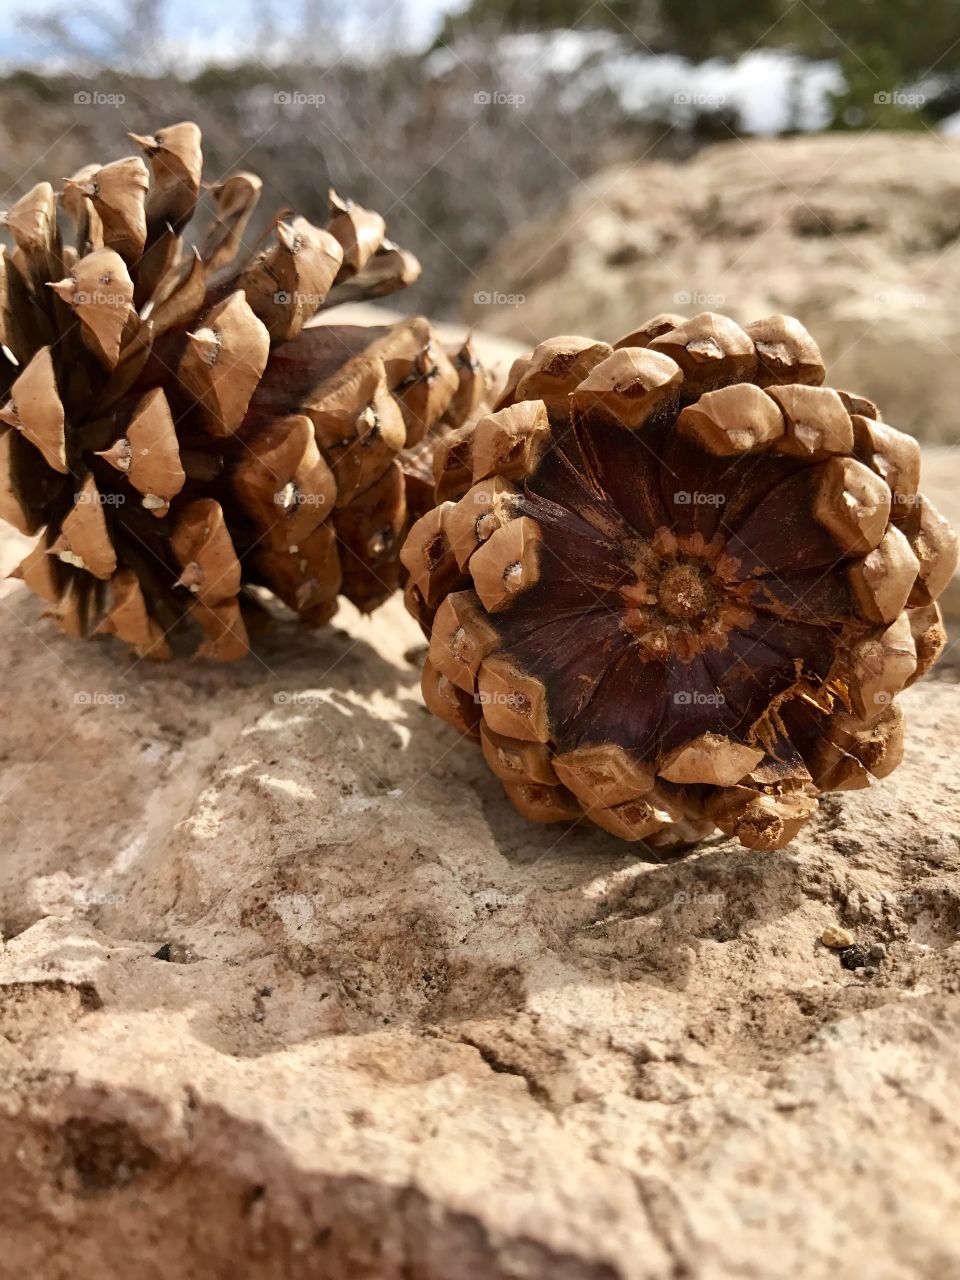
[175,431]
[677,584]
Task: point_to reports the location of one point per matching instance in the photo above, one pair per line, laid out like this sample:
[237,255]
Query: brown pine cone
[177,431]
[683,585]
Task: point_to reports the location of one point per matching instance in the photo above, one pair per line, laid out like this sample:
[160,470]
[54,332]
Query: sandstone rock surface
[858,235]
[286,990]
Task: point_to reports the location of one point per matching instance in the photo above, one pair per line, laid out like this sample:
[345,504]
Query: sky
[219,30]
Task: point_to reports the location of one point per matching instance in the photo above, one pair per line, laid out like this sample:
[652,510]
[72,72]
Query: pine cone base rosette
[174,428]
[677,584]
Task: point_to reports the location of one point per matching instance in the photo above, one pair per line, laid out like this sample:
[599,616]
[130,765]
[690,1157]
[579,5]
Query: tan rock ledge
[287,990]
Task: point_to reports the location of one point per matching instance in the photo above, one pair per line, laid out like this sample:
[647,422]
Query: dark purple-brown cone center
[682,592]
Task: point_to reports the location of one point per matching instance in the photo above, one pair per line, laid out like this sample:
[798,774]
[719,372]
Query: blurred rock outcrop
[856,235]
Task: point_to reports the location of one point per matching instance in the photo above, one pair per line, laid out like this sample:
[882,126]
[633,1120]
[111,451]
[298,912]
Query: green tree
[885,47]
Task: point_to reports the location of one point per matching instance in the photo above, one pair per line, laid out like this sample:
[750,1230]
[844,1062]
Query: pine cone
[683,585]
[174,429]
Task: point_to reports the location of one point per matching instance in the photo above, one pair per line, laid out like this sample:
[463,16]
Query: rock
[854,958]
[835,936]
[175,953]
[489,1049]
[857,235]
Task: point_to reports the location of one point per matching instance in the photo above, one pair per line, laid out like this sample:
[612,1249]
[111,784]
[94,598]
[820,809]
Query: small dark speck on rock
[722,931]
[265,991]
[175,953]
[853,957]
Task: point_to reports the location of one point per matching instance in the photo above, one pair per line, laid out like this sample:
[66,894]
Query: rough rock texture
[856,235]
[287,990]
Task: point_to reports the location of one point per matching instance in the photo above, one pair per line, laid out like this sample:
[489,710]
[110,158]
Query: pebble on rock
[853,957]
[175,953]
[836,937]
